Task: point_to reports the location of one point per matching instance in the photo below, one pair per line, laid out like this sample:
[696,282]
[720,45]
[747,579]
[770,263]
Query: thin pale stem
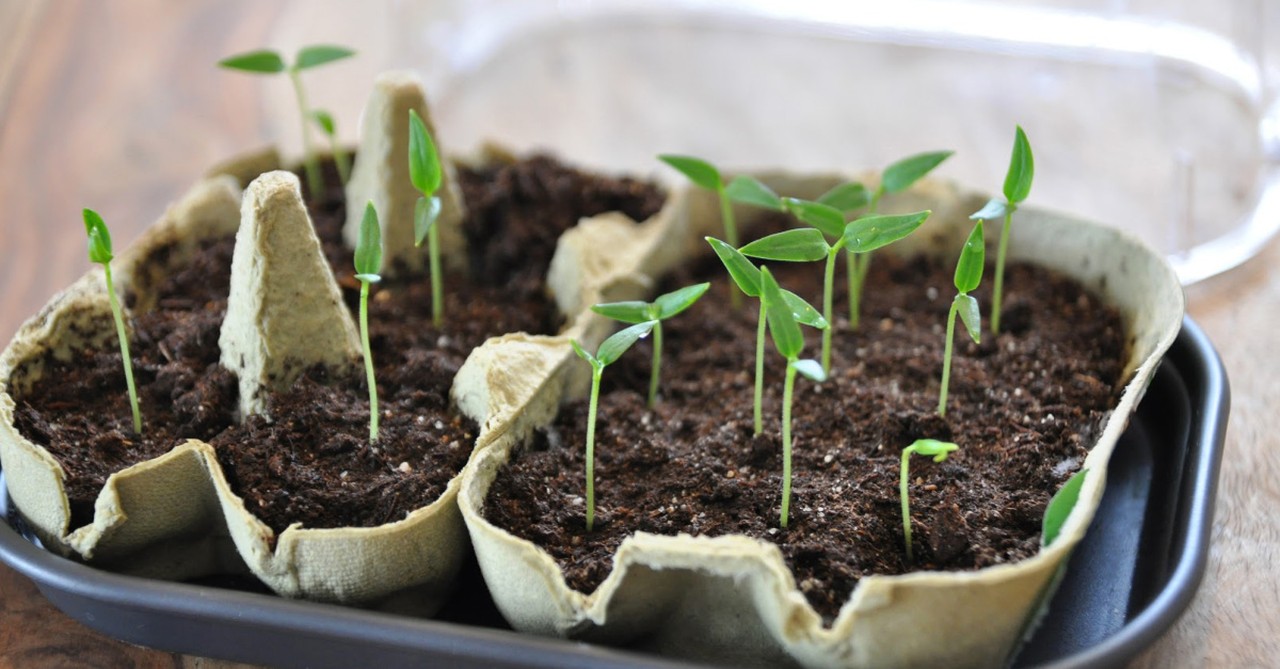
[760,329]
[828,280]
[124,350]
[906,507]
[787,386]
[437,281]
[309,161]
[730,234]
[341,159]
[998,292]
[368,361]
[946,360]
[656,371]
[853,275]
[596,373]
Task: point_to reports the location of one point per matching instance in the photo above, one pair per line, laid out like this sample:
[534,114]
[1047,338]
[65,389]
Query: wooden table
[84,124]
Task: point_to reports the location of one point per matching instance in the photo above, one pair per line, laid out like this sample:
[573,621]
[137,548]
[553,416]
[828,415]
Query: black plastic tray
[1131,577]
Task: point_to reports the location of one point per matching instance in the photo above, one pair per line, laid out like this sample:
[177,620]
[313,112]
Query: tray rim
[65,582]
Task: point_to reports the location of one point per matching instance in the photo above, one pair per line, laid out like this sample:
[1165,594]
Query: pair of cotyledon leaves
[643,315]
[266,61]
[1017,180]
[845,197]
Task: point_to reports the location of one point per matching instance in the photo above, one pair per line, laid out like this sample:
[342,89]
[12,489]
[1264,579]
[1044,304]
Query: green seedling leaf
[325,121]
[425,170]
[618,343]
[810,369]
[872,232]
[804,312]
[967,307]
[99,238]
[628,312]
[749,190]
[319,54]
[368,258]
[676,301]
[1055,515]
[992,210]
[425,213]
[1022,169]
[582,353]
[969,269]
[782,324]
[797,245]
[742,270]
[815,214]
[900,175]
[100,253]
[257,62]
[846,197]
[699,171]
[933,448]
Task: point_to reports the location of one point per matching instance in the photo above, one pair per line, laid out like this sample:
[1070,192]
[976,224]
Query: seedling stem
[100,253]
[368,262]
[610,350]
[930,447]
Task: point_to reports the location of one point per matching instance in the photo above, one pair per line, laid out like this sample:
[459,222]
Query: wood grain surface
[84,123]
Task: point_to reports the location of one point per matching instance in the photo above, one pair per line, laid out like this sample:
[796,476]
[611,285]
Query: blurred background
[1156,116]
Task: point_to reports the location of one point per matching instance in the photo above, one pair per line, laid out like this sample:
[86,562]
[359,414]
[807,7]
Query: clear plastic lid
[1154,117]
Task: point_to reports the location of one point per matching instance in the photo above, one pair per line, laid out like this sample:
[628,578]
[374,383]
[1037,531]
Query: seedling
[862,235]
[1017,186]
[743,189]
[100,253]
[896,178]
[1055,515]
[785,331]
[928,447]
[747,277]
[610,350]
[266,61]
[327,125]
[662,308]
[426,173]
[368,263]
[968,276]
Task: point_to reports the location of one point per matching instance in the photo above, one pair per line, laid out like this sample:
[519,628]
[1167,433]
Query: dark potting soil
[314,464]
[1024,407]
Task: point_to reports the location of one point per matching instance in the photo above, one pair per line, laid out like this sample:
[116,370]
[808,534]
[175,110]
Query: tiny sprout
[927,447]
[327,125]
[100,253]
[1060,506]
[896,178]
[270,62]
[1017,186]
[426,173]
[785,331]
[662,308]
[743,189]
[968,276]
[610,350]
[368,263]
[862,235]
[747,277]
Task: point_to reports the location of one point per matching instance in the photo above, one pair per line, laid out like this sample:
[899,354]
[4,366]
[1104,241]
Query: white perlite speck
[284,311]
